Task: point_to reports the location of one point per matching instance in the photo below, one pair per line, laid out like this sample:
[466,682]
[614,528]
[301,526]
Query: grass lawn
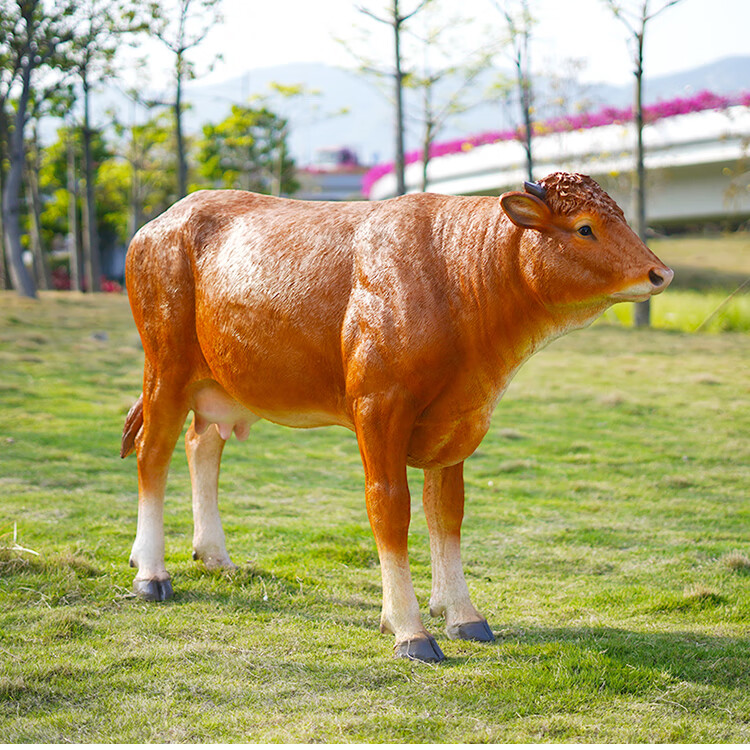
[607,540]
[711,288]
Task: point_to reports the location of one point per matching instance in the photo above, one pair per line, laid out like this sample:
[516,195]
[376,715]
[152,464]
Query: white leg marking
[204,459]
[450,594]
[400,614]
[147,553]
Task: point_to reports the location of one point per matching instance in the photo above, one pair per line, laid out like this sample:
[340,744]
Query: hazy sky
[263,33]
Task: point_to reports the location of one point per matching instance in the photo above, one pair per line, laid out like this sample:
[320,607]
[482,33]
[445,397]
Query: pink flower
[701,102]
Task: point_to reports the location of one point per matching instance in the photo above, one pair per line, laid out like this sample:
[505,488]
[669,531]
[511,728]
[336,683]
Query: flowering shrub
[61,281]
[60,278]
[110,286]
[705,100]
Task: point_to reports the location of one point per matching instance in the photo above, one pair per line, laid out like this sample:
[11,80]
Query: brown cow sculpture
[403,320]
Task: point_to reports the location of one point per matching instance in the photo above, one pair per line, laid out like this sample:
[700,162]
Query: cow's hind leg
[443,502]
[164,413]
[382,434]
[204,458]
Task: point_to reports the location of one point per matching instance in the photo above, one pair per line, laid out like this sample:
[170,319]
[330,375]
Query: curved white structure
[698,165]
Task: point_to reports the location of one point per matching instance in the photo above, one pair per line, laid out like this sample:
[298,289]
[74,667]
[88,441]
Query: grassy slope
[606,539]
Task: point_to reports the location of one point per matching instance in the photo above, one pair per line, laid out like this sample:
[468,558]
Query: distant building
[334,175]
[697,160]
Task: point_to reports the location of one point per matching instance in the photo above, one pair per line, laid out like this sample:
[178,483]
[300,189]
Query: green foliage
[148,149]
[111,187]
[607,538]
[247,150]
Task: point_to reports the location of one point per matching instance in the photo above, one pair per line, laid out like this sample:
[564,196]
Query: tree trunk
[4,274]
[524,84]
[19,274]
[642,309]
[4,277]
[74,239]
[41,267]
[135,218]
[92,260]
[181,163]
[425,162]
[398,92]
[278,179]
[426,146]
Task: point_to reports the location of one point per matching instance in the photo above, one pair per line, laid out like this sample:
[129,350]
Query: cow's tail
[133,425]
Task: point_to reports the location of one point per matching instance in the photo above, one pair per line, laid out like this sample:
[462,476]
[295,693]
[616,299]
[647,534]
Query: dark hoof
[153,591]
[420,649]
[472,631]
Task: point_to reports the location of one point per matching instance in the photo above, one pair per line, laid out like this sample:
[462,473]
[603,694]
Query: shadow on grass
[628,660]
[717,661]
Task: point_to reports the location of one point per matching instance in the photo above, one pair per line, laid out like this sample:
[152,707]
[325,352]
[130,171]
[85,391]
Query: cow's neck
[515,321]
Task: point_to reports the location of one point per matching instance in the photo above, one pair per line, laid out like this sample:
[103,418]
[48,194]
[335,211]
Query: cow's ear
[526,210]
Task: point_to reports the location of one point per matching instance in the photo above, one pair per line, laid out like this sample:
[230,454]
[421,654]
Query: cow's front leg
[443,502]
[164,414]
[204,459]
[382,433]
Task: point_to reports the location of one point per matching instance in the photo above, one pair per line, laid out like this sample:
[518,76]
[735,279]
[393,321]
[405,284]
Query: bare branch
[415,11]
[661,10]
[367,12]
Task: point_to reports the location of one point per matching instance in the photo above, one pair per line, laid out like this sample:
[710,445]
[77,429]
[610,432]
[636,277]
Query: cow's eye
[586,231]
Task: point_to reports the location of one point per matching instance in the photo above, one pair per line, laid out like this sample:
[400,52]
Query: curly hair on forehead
[567,193]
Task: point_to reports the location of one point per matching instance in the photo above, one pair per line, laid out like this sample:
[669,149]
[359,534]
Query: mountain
[350,110]
[730,75]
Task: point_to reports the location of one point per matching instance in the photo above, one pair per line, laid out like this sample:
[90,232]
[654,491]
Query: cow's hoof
[214,562]
[472,631]
[153,591]
[420,649]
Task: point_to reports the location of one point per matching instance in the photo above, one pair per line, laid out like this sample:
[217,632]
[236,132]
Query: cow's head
[580,250]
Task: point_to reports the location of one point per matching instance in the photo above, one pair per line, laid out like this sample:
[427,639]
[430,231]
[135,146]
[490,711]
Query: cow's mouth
[658,280]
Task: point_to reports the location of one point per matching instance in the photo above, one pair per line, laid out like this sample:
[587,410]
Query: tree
[99,27]
[519,25]
[247,150]
[6,80]
[33,200]
[444,84]
[149,152]
[35,39]
[52,102]
[182,27]
[74,236]
[635,16]
[393,17]
[63,205]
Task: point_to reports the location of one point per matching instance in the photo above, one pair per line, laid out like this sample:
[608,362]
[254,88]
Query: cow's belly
[213,405]
[273,368]
[432,445]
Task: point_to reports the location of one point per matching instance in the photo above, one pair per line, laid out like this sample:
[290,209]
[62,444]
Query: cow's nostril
[655,278]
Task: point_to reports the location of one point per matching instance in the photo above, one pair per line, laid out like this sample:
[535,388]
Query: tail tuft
[133,424]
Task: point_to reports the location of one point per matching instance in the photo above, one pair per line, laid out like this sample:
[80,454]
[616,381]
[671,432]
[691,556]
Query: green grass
[692,311]
[704,295]
[607,540]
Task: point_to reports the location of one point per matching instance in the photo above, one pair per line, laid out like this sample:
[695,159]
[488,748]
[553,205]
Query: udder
[213,405]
